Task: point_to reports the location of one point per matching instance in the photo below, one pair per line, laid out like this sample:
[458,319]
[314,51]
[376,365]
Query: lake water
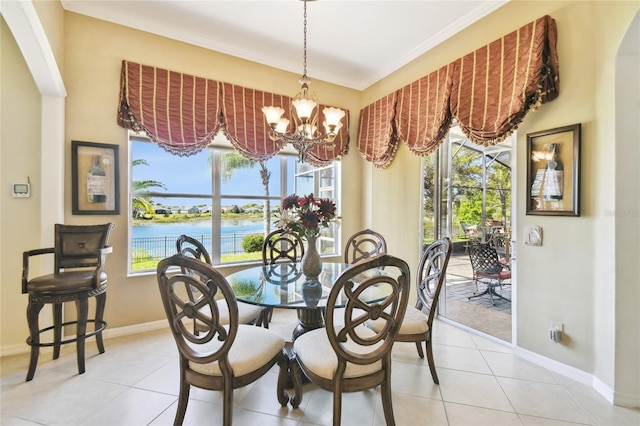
[201,227]
[159,239]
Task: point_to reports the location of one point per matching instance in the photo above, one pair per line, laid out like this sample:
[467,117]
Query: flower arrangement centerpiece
[306,216]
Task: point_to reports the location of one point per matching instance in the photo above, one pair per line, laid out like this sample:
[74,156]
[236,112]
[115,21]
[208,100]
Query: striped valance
[488,92]
[377,137]
[183,114]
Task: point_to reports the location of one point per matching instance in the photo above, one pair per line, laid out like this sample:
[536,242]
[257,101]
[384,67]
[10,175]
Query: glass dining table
[283,286]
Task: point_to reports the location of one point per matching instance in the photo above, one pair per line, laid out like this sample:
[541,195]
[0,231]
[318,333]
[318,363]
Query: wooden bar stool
[79,262]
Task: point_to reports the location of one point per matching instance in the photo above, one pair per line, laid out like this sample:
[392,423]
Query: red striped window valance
[183,114]
[488,92]
[423,111]
[377,137]
[498,84]
[245,124]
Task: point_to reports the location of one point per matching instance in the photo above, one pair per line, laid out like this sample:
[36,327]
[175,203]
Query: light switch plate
[533,236]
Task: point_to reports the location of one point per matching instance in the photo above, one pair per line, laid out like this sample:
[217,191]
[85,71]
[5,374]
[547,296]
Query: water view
[158,240]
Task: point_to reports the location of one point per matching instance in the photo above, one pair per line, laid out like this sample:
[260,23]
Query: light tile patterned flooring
[136,383]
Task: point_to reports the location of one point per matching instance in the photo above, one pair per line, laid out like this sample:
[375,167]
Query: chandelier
[304,113]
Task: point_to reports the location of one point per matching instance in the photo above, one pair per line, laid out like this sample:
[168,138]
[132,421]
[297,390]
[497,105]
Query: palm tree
[232,161]
[141,204]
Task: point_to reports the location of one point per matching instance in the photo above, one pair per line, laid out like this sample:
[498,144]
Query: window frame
[216,198]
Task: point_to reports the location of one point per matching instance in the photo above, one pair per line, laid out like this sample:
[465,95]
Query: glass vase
[311,261]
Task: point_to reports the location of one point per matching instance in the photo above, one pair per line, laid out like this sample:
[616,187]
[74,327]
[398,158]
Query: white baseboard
[617,398]
[108,333]
[555,366]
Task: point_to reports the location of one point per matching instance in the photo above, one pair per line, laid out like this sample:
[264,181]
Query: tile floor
[136,382]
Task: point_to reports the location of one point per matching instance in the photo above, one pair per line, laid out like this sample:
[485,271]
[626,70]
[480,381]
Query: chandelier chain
[305,40]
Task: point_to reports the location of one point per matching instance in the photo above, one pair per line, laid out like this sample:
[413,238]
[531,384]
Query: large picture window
[218,197]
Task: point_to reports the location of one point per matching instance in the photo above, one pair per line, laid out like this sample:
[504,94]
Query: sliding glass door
[467,197]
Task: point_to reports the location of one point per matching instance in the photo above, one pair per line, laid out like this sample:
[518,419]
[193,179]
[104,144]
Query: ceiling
[352,43]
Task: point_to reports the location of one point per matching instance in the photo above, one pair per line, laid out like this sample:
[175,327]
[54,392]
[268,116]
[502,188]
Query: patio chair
[220,357]
[487,268]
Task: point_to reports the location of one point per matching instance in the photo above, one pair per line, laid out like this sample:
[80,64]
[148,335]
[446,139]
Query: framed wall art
[553,172]
[95,178]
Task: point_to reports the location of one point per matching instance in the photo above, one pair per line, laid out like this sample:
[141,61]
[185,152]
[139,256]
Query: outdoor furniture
[348,356]
[79,273]
[363,245]
[418,321]
[247,314]
[487,268]
[220,357]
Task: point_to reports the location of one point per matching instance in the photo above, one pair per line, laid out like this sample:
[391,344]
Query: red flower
[327,208]
[306,215]
[290,202]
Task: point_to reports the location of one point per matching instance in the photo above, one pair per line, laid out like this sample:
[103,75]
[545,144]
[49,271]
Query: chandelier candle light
[304,113]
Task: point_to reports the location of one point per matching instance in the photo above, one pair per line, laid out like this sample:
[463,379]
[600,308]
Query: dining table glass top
[284,286]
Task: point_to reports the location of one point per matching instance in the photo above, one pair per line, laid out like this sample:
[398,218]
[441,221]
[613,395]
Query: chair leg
[183,399]
[387,402]
[33,309]
[227,403]
[337,405]
[57,329]
[82,307]
[432,364]
[419,348]
[101,301]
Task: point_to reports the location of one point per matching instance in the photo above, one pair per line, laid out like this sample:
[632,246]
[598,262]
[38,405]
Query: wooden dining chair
[221,356]
[347,356]
[417,325]
[363,245]
[247,313]
[280,246]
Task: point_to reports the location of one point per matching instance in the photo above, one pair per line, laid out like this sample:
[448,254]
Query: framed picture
[95,178]
[553,172]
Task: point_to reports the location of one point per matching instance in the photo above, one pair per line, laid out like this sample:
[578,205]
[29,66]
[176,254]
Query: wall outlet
[555,334]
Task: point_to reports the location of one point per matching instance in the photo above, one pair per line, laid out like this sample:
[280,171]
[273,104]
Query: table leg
[308,319]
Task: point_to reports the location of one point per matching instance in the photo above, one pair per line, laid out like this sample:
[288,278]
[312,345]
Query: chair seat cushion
[64,282]
[252,348]
[414,322]
[314,350]
[247,313]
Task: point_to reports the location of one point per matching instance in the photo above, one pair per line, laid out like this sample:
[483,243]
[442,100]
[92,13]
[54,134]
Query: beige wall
[19,160]
[93,53]
[569,279]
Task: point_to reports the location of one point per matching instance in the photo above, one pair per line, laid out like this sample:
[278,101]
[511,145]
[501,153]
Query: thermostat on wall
[21,190]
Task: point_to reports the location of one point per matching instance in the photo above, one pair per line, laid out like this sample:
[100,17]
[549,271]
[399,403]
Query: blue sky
[192,175]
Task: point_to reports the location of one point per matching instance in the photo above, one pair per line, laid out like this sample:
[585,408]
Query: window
[216,196]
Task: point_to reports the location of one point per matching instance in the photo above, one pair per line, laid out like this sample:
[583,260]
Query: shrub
[140,255]
[252,243]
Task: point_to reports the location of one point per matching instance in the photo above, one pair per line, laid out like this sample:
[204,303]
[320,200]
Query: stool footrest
[103,325]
